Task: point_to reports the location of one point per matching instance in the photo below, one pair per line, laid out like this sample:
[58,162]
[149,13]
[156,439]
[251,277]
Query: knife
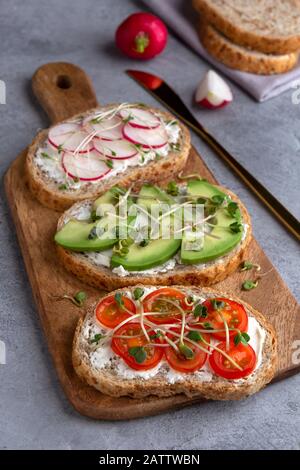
[157,87]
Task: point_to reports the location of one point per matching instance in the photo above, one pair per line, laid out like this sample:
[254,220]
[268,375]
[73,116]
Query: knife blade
[158,88]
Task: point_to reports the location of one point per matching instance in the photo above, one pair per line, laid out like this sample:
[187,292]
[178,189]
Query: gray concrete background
[264,137]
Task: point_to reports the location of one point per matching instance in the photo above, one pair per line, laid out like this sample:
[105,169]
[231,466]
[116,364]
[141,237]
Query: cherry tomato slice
[157,301]
[179,362]
[234,314]
[110,313]
[124,346]
[242,354]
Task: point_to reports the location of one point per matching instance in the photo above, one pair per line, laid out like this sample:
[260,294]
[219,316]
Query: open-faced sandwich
[190,233]
[146,340]
[89,153]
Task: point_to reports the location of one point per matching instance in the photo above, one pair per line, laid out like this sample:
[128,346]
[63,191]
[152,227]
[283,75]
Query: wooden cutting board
[64,89]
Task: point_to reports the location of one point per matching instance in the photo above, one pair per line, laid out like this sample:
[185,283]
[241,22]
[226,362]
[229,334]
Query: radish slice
[148,138]
[69,137]
[106,129]
[116,149]
[213,92]
[140,118]
[87,167]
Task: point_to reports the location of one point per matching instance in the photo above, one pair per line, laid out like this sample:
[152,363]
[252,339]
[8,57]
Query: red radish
[148,138]
[141,118]
[69,137]
[213,92]
[107,129]
[116,149]
[142,36]
[88,167]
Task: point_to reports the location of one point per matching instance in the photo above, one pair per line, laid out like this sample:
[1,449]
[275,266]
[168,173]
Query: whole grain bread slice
[241,58]
[48,193]
[103,278]
[268,26]
[107,380]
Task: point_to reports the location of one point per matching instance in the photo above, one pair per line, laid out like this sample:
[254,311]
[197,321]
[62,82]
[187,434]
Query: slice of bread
[103,278]
[241,58]
[268,26]
[110,381]
[47,191]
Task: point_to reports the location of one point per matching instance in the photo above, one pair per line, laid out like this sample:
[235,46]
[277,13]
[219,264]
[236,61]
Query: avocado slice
[226,240]
[150,194]
[140,258]
[153,252]
[202,188]
[78,235]
[109,197]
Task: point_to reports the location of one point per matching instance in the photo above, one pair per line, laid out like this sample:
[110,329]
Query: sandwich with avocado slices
[84,156]
[186,233]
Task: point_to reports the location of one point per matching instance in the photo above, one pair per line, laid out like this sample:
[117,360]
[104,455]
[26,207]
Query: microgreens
[235,227]
[63,187]
[218,199]
[246,265]
[139,353]
[187,352]
[119,299]
[208,326]
[80,298]
[200,311]
[232,208]
[172,188]
[201,200]
[109,163]
[45,155]
[243,338]
[93,234]
[97,338]
[195,336]
[156,335]
[249,285]
[138,293]
[175,147]
[60,148]
[95,216]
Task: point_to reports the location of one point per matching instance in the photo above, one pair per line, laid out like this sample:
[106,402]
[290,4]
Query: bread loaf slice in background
[268,26]
[241,58]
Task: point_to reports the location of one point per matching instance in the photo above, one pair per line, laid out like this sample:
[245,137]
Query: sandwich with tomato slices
[163,341]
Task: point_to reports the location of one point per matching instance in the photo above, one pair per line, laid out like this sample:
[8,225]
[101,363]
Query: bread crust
[50,196]
[103,278]
[269,44]
[109,383]
[241,58]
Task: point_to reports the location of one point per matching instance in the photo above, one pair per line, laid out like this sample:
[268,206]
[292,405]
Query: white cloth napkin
[181,18]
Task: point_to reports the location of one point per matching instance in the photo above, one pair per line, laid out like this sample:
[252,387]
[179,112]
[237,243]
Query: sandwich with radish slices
[89,153]
[163,341]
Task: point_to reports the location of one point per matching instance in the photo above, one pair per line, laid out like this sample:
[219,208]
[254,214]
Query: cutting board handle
[63,90]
